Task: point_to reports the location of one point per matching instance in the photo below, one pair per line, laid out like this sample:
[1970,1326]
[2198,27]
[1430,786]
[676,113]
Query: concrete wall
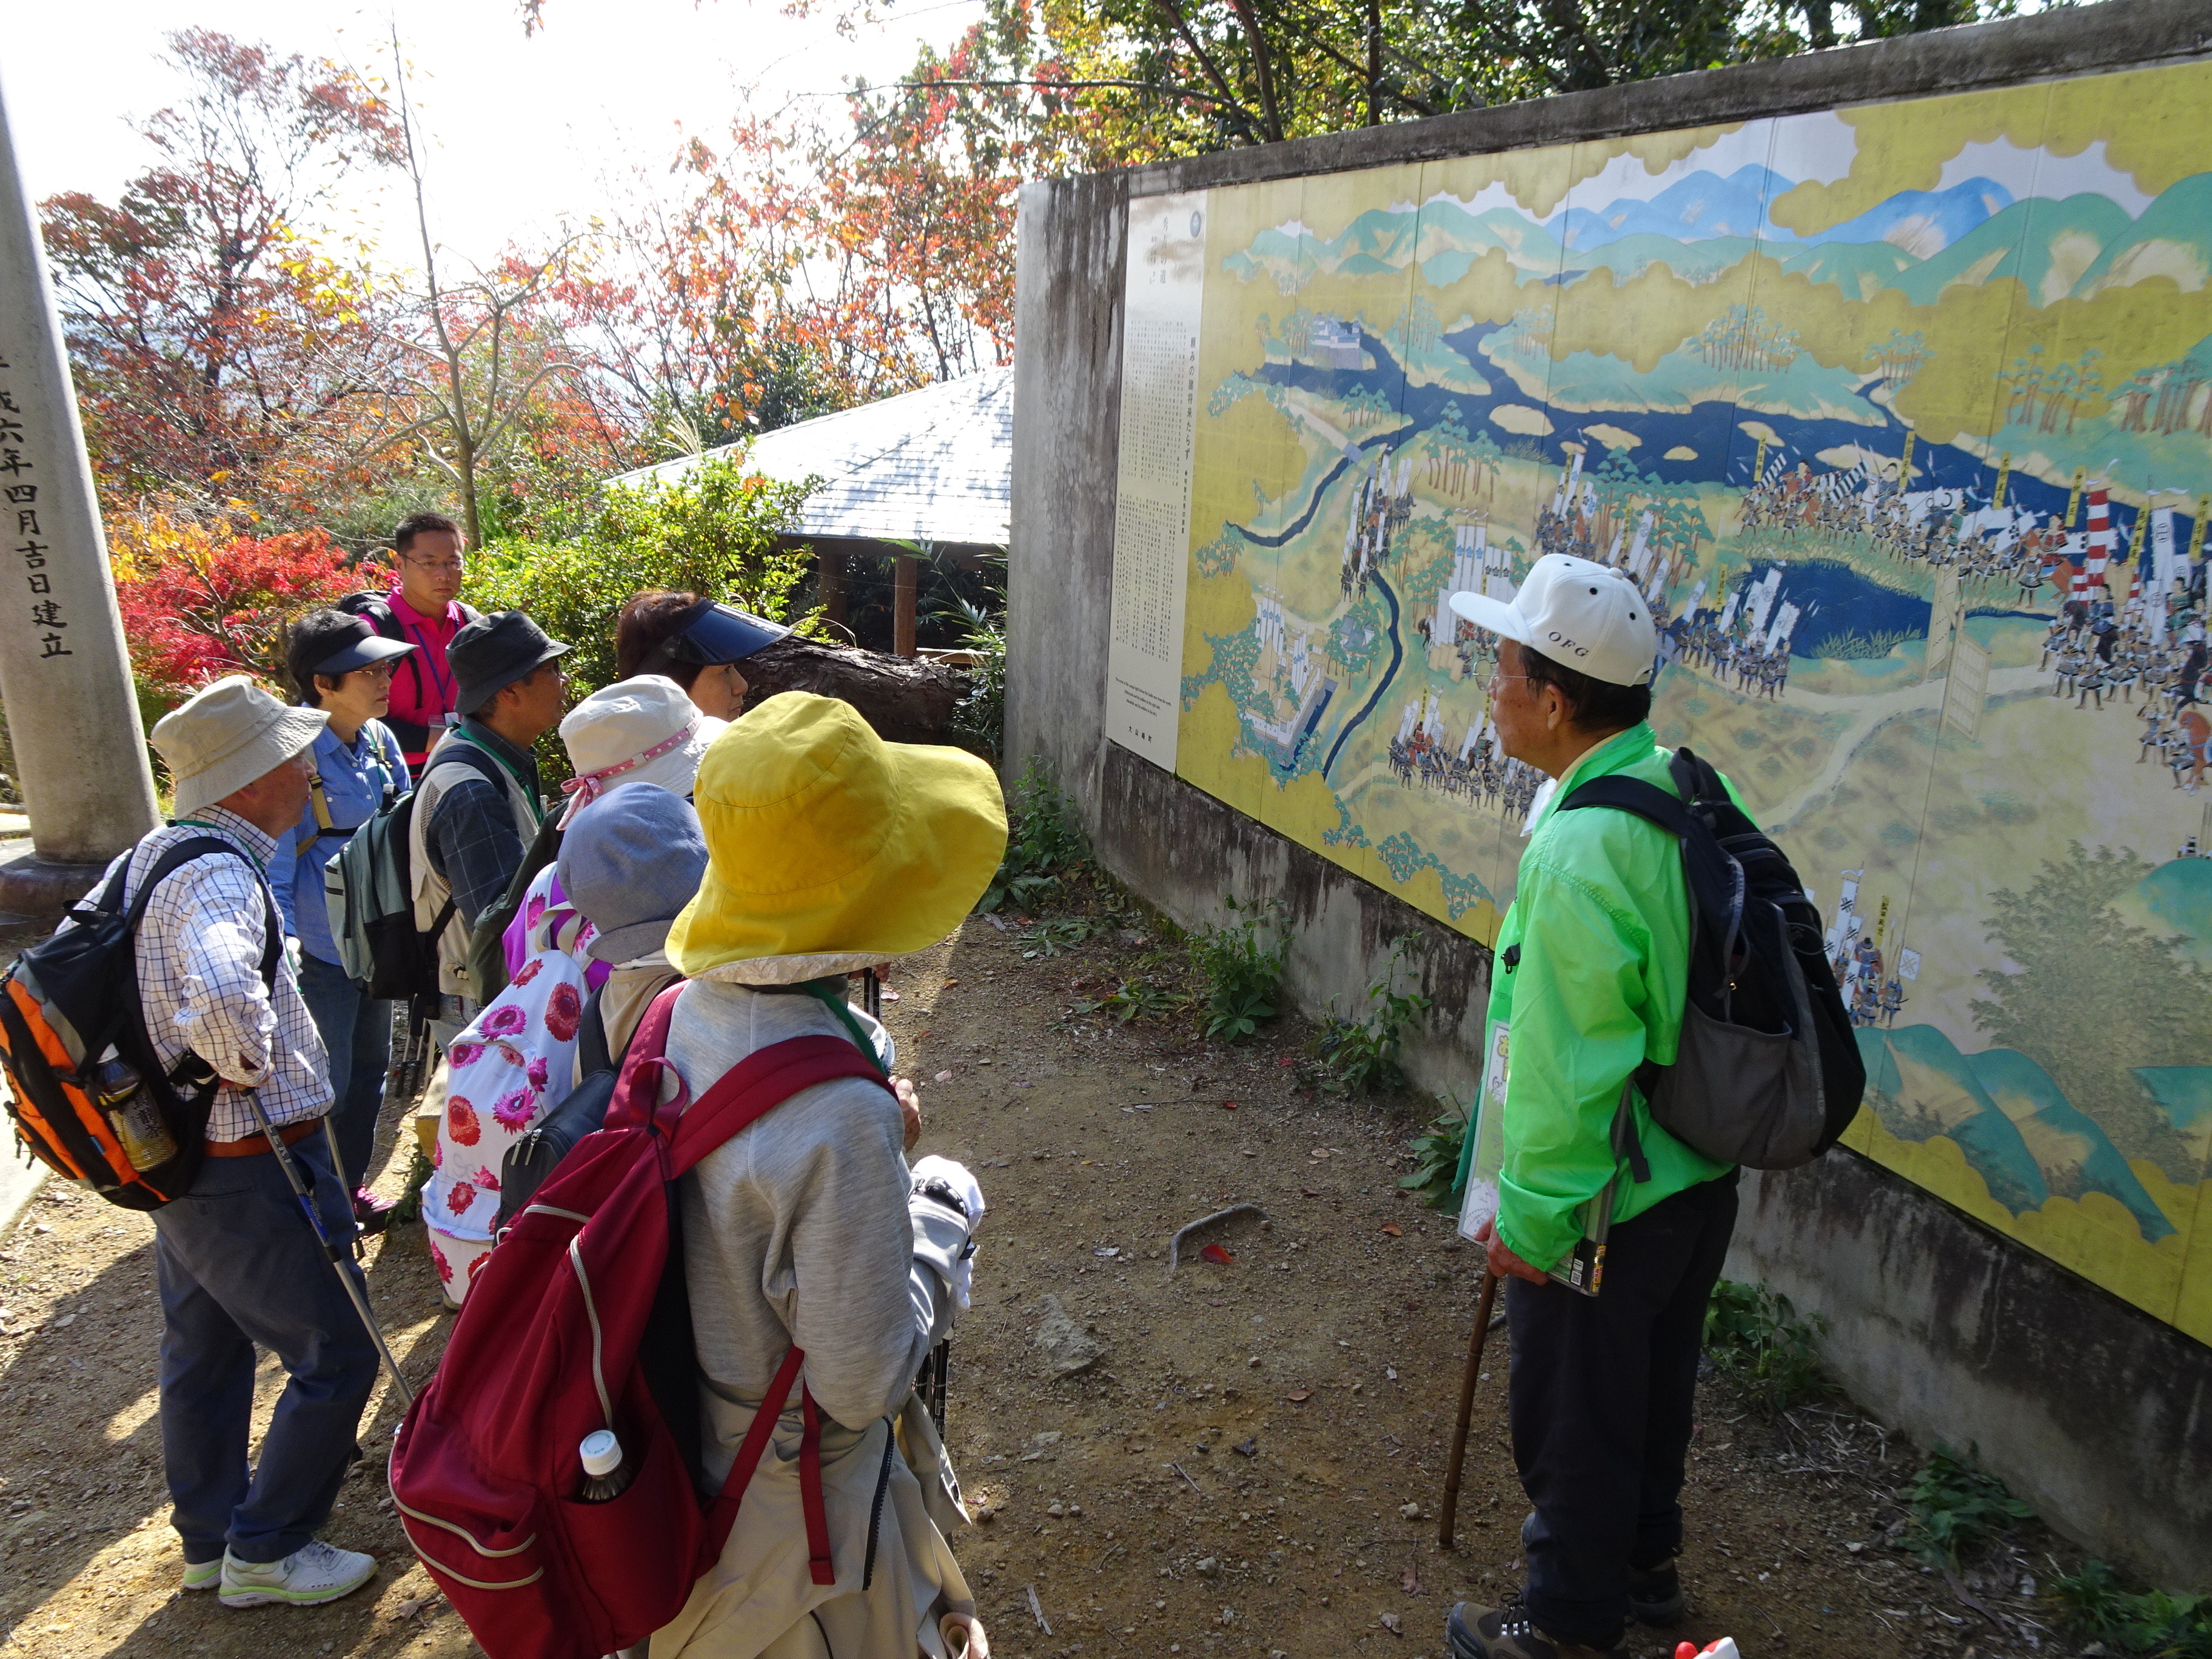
[2097,1413]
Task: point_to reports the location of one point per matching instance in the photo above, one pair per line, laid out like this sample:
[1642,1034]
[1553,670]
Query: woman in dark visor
[693,641]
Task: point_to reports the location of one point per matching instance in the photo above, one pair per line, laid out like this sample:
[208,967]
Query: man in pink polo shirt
[424,610]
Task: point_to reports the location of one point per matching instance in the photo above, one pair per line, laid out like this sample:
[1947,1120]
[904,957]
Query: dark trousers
[238,1265]
[1602,1396]
[356,1032]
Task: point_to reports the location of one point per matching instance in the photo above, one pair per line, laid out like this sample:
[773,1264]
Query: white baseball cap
[1585,617]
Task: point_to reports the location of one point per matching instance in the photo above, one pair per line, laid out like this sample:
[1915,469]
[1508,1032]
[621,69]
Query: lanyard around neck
[507,766]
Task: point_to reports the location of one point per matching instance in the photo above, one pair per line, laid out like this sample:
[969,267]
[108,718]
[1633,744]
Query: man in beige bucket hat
[237,1263]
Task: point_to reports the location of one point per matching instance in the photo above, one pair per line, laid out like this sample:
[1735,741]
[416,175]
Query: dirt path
[1251,1468]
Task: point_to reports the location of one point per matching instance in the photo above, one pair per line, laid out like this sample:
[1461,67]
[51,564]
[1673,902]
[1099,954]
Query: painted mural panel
[1901,416]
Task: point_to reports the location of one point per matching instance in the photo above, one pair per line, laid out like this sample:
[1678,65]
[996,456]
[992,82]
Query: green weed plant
[1755,1339]
[1045,846]
[1360,1056]
[1437,1151]
[1240,964]
[1957,1507]
[2093,1604]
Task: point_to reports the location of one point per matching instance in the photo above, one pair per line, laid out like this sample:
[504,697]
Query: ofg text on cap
[1583,616]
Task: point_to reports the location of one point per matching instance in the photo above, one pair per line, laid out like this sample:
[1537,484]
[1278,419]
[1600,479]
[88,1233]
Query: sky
[525,131]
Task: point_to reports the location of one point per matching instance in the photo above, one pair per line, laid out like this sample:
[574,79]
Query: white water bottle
[606,1471]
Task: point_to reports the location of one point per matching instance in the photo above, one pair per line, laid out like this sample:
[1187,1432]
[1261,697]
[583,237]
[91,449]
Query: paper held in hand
[1582,1268]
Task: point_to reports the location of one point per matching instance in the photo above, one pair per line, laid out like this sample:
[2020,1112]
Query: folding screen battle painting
[1901,417]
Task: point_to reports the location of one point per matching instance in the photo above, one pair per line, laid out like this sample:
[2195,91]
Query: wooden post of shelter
[831,564]
[908,582]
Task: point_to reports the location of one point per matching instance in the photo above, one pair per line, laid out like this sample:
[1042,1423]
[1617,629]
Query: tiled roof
[932,465]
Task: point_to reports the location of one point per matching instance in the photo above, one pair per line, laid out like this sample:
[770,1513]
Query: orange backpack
[89,1098]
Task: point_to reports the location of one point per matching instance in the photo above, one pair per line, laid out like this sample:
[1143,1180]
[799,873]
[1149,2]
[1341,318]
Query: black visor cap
[720,634]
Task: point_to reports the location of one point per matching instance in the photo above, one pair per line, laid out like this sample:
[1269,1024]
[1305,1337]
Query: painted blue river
[1725,452]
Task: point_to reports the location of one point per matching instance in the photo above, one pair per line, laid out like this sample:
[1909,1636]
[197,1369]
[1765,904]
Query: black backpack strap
[191,1068]
[592,1037]
[1632,795]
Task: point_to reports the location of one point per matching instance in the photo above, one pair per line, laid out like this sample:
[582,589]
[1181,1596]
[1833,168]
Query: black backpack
[1768,1074]
[377,608]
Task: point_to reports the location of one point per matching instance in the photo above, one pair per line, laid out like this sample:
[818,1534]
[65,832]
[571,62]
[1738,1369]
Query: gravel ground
[1250,1464]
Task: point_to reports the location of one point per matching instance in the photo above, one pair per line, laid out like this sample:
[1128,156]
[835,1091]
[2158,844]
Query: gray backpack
[1768,1074]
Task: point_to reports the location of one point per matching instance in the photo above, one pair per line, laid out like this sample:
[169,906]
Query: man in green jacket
[1587,984]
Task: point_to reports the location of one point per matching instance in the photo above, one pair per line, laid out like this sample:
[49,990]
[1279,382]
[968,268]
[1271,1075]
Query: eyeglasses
[445,567]
[1495,676]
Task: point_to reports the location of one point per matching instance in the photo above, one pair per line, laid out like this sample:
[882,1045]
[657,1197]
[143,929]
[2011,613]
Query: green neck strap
[831,994]
[507,766]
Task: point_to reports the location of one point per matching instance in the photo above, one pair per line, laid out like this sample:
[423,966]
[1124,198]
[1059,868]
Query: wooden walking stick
[1450,1507]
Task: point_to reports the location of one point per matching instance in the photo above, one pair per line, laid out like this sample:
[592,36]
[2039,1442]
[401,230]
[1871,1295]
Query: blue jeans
[357,1033]
[237,1266]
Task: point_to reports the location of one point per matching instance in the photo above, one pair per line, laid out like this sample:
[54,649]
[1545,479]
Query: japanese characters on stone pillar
[64,677]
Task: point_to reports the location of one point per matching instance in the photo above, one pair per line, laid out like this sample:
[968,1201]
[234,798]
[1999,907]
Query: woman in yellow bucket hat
[829,850]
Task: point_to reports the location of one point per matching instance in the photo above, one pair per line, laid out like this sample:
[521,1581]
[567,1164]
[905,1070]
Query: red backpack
[579,1320]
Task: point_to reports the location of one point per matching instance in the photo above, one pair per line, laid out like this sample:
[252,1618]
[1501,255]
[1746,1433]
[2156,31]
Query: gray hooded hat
[630,861]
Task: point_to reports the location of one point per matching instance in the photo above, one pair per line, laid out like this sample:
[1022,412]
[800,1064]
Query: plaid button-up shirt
[199,977]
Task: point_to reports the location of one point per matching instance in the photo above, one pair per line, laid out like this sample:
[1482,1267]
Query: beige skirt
[760,1598]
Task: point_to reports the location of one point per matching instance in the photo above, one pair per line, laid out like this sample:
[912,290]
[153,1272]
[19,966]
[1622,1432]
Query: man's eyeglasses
[1495,676]
[454,566]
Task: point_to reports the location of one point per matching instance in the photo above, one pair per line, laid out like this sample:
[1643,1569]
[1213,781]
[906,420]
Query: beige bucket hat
[227,734]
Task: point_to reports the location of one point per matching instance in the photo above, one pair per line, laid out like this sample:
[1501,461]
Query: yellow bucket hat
[828,848]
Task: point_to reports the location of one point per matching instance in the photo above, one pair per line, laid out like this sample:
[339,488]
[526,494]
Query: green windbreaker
[1602,919]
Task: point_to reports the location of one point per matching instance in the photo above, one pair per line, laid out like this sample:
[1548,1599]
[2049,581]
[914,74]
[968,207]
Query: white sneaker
[314,1573]
[203,1575]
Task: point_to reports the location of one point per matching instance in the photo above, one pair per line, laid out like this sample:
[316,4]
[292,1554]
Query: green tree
[2091,997]
[715,532]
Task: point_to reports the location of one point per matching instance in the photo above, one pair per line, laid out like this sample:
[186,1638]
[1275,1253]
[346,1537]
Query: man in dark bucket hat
[493,653]
[478,805]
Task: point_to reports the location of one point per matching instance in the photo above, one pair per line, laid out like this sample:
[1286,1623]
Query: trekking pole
[1448,1510]
[337,1163]
[336,1251]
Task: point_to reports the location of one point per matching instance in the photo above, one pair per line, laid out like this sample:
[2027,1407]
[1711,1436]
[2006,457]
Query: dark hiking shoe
[1655,1594]
[1508,1633]
[371,1214]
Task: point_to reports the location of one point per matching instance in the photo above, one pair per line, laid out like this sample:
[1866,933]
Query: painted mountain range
[2023,1137]
[1918,242]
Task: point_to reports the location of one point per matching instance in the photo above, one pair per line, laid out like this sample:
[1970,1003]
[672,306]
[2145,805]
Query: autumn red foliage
[195,607]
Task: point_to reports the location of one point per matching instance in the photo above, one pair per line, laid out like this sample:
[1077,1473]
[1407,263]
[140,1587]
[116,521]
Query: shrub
[713,532]
[198,603]
[1241,970]
[1755,1339]
[981,717]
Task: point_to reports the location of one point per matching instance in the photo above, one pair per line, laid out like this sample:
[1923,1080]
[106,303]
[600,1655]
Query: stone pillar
[64,675]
